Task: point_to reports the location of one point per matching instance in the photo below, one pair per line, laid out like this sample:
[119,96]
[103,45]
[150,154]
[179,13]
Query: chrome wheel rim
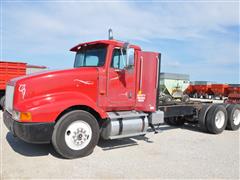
[219,119]
[78,135]
[236,117]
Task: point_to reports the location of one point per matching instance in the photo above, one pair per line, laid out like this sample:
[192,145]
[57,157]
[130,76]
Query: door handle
[102,92]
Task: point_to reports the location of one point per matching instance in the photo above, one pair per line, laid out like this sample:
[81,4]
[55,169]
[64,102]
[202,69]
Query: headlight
[21,116]
[15,115]
[9,98]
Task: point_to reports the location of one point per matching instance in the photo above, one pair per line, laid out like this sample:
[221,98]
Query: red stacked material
[9,70]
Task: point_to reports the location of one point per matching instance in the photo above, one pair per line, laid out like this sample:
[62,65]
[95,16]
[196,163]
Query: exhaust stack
[110,34]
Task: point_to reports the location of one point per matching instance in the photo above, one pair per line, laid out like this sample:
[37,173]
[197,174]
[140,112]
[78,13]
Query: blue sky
[196,38]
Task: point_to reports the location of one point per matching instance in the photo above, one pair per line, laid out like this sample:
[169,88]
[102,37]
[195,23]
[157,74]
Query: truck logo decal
[84,82]
[141,97]
[22,89]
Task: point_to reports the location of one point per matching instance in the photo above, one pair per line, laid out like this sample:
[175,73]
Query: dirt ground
[184,152]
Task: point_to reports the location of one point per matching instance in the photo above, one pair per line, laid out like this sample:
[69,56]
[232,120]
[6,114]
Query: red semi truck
[112,92]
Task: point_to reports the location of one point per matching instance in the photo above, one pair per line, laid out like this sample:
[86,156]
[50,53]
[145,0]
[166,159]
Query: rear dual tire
[216,119]
[233,117]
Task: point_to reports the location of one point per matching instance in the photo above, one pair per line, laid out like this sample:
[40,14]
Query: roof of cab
[110,42]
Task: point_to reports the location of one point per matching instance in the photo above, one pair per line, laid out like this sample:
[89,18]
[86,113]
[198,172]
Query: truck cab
[114,84]
[122,81]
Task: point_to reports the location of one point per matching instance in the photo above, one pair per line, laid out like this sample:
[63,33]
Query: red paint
[149,80]
[221,90]
[108,42]
[233,98]
[202,88]
[101,88]
[9,70]
[234,94]
[234,89]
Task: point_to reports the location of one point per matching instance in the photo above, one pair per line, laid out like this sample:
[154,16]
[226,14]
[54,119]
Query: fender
[48,107]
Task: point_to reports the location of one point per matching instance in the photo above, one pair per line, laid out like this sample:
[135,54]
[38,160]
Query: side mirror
[126,48]
[129,58]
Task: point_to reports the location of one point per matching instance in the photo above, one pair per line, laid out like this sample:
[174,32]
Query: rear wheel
[206,96]
[225,100]
[202,117]
[75,134]
[233,117]
[167,98]
[195,95]
[216,120]
[185,98]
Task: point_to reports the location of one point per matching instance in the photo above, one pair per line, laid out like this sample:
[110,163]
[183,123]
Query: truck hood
[49,82]
[14,80]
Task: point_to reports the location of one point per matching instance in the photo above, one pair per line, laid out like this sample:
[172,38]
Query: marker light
[21,116]
[25,116]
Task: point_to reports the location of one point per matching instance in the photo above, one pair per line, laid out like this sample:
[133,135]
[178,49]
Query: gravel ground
[173,153]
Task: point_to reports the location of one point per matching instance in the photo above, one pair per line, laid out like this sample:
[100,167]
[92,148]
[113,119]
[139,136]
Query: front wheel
[75,134]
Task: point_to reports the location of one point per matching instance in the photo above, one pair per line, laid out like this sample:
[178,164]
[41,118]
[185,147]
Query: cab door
[121,80]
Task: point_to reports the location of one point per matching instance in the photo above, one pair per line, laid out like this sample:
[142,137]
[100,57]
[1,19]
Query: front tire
[75,134]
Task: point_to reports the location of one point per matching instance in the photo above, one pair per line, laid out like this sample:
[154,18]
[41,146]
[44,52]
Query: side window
[118,59]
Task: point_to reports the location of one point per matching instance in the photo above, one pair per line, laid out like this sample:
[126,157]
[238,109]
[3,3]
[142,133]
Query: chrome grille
[9,98]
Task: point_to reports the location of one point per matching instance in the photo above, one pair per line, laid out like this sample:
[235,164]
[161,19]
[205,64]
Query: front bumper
[39,133]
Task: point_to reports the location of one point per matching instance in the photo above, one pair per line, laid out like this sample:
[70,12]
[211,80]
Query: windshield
[91,56]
